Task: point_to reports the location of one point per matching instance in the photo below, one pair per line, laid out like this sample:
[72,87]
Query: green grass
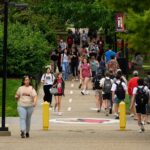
[11,105]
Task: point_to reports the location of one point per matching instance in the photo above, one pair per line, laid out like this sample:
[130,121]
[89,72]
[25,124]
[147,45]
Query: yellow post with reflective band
[122,108]
[46,115]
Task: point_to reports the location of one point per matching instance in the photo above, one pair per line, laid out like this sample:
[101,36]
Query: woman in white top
[47,80]
[26,97]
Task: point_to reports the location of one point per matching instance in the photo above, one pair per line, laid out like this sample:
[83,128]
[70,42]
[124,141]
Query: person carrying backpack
[147,83]
[106,84]
[140,99]
[98,91]
[118,89]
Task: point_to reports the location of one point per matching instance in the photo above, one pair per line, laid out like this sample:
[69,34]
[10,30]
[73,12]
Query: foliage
[137,21]
[11,104]
[27,50]
[139,31]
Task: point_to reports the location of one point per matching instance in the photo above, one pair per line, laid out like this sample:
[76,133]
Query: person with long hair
[60,85]
[85,75]
[47,80]
[65,64]
[26,97]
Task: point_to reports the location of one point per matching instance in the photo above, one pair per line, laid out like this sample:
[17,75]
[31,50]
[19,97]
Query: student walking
[106,84]
[85,74]
[140,99]
[131,85]
[47,80]
[98,91]
[118,89]
[26,97]
[60,85]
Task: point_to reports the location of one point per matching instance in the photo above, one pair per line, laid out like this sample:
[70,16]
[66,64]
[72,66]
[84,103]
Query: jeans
[25,114]
[65,70]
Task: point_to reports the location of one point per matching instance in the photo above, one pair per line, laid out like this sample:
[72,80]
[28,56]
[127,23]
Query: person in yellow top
[26,97]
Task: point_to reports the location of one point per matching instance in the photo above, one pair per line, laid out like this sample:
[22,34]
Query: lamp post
[3,129]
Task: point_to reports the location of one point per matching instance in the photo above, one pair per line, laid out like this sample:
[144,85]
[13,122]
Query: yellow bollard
[46,115]
[122,108]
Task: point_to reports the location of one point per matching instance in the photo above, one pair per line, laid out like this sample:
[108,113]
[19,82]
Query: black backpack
[96,82]
[107,86]
[141,96]
[120,92]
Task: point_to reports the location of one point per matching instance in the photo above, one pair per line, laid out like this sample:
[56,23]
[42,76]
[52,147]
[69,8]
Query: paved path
[76,136]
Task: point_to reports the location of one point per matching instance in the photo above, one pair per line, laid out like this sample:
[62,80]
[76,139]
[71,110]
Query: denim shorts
[117,101]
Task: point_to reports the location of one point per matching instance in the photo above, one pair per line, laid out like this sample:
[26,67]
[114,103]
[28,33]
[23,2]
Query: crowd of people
[86,60]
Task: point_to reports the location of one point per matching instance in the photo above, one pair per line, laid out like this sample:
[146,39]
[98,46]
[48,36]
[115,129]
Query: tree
[137,21]
[27,50]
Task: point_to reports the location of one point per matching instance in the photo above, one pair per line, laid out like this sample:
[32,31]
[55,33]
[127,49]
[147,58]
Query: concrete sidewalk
[76,136]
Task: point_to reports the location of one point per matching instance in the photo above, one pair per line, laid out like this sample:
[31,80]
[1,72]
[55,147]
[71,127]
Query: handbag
[53,90]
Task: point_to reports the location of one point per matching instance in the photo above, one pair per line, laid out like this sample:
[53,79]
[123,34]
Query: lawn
[11,105]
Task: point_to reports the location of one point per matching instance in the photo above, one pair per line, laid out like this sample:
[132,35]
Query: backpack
[107,86]
[96,82]
[120,92]
[141,96]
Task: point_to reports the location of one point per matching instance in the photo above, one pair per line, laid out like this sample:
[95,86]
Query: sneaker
[80,86]
[59,113]
[98,110]
[107,111]
[27,135]
[140,131]
[117,117]
[131,115]
[82,92]
[22,134]
[142,128]
[86,92]
[110,111]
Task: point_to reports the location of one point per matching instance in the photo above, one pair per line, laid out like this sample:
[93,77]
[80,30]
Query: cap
[135,72]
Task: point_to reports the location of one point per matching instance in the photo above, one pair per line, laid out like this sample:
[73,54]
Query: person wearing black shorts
[140,99]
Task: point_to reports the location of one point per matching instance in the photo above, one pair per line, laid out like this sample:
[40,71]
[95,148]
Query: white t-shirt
[102,81]
[136,88]
[65,58]
[114,86]
[48,79]
[26,96]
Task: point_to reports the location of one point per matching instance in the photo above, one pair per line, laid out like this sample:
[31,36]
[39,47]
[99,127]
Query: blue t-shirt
[108,55]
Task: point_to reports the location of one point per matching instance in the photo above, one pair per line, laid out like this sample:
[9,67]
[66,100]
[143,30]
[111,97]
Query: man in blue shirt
[108,54]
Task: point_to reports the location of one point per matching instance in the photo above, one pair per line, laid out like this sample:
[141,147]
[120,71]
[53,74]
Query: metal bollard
[122,108]
[46,115]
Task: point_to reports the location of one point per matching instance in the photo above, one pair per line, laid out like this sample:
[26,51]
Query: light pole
[3,129]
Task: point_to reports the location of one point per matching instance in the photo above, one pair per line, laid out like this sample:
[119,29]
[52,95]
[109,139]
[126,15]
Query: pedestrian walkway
[73,136]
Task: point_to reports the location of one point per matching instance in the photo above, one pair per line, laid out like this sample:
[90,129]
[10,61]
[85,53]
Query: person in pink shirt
[60,85]
[131,85]
[85,74]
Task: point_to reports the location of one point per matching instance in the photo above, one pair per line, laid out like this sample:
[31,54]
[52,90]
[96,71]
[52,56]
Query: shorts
[98,93]
[107,96]
[141,109]
[58,94]
[117,101]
